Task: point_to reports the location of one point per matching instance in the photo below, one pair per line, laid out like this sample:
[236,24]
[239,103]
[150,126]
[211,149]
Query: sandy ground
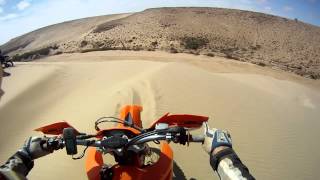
[273,116]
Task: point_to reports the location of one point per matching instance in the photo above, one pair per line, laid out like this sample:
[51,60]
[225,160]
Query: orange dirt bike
[127,142]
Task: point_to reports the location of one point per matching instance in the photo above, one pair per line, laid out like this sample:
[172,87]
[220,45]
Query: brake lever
[182,138]
[53,143]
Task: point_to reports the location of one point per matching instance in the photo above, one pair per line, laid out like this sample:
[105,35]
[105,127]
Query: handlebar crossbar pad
[69,136]
[114,142]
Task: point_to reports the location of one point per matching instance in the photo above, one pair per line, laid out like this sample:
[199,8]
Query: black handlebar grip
[69,137]
[52,143]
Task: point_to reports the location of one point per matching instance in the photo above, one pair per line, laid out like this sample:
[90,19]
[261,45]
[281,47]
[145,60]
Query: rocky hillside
[253,37]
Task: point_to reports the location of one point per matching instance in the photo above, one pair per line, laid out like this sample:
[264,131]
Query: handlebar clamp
[114,142]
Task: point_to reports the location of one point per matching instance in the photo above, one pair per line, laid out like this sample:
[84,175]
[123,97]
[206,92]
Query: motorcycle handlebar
[83,142]
[118,142]
[155,137]
[196,138]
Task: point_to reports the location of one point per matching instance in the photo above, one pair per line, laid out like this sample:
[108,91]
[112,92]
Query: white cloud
[267,8]
[245,1]
[23,5]
[8,17]
[1,10]
[2,2]
[262,1]
[287,8]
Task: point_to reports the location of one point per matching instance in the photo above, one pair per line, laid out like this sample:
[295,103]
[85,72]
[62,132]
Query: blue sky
[21,16]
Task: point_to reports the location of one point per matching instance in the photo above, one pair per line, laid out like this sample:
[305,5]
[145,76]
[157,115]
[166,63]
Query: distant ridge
[258,38]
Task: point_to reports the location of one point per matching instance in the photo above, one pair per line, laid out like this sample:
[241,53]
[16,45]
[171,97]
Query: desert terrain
[273,116]
[258,38]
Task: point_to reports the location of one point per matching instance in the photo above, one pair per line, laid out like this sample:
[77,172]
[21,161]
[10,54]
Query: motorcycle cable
[115,120]
[173,130]
[141,136]
[82,155]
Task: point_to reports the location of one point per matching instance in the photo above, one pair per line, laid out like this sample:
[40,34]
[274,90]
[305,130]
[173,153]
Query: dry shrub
[83,43]
[173,50]
[210,54]
[34,54]
[194,42]
[261,64]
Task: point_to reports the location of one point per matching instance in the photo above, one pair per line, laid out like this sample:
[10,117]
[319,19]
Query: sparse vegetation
[99,44]
[229,56]
[194,42]
[210,54]
[315,75]
[83,43]
[230,50]
[194,52]
[106,27]
[137,48]
[154,43]
[173,50]
[33,54]
[200,12]
[232,56]
[261,64]
[166,25]
[256,47]
[15,57]
[98,49]
[230,53]
[55,46]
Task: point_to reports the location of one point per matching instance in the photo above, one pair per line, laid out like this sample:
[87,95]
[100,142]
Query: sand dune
[56,33]
[259,38]
[272,116]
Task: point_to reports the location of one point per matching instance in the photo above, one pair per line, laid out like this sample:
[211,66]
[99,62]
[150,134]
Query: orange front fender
[94,163]
[134,111]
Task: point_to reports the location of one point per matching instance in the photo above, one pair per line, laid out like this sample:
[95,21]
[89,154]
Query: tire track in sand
[139,90]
